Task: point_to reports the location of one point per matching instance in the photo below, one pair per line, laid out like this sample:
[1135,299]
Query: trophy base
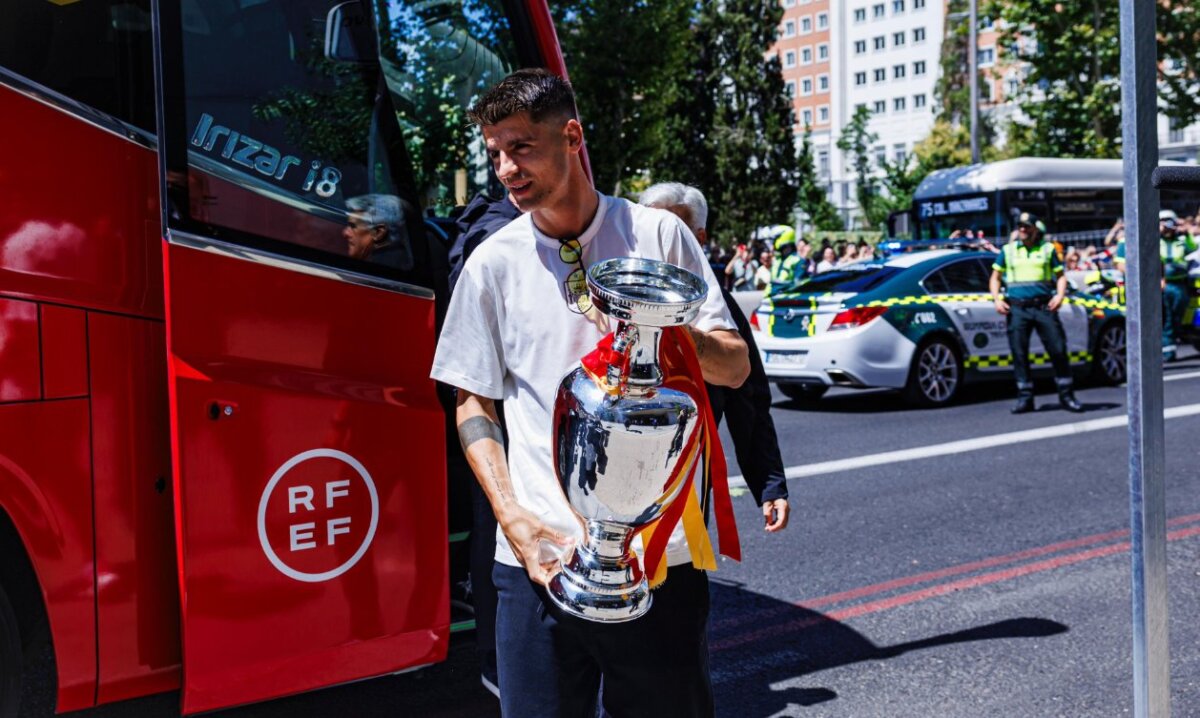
[586,602]
[600,589]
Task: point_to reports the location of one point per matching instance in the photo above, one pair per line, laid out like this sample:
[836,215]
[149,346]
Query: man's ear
[573,133]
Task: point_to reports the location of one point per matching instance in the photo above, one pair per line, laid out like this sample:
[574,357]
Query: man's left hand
[1055,302]
[775,515]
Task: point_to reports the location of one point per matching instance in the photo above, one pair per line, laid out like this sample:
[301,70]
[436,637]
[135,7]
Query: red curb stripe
[942,589]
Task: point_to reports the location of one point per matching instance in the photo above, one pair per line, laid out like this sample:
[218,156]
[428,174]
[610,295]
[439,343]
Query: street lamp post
[973,64]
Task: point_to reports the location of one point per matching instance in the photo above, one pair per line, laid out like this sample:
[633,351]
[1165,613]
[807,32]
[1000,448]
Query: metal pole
[973,64]
[1147,456]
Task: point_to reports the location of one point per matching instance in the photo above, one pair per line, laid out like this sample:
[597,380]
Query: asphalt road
[961,580]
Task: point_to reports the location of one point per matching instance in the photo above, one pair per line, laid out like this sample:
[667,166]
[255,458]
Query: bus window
[98,54]
[437,58]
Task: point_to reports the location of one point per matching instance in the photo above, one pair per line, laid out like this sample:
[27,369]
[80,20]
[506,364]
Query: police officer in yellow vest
[788,267]
[1174,247]
[1034,289]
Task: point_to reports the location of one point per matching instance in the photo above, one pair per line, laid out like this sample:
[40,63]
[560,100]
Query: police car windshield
[850,279]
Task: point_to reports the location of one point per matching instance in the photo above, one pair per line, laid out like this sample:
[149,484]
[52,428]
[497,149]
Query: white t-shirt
[513,331]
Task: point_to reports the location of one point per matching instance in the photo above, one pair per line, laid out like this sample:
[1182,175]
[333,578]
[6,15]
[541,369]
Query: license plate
[796,358]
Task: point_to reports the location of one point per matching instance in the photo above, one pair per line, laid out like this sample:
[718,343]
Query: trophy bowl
[616,450]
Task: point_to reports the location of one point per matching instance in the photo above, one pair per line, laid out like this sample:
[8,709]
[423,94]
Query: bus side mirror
[348,34]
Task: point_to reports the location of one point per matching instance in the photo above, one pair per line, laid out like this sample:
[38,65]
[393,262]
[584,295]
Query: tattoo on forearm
[701,344]
[504,490]
[477,428]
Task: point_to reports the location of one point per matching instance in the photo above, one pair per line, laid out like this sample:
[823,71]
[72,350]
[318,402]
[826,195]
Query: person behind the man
[1034,289]
[519,320]
[375,231]
[1173,247]
[789,266]
[749,406]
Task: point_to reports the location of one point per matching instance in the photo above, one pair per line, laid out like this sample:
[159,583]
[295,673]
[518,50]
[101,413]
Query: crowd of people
[748,266]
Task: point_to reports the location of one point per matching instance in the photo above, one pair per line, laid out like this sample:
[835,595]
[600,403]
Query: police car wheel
[936,374]
[1108,364]
[10,660]
[803,392]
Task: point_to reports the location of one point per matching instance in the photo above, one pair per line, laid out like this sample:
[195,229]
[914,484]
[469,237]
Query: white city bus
[1077,199]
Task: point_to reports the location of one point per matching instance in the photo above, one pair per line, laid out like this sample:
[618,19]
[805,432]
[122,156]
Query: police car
[922,322]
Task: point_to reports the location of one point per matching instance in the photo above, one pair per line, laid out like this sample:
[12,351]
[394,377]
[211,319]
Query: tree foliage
[751,138]
[625,60]
[856,140]
[1071,95]
[814,200]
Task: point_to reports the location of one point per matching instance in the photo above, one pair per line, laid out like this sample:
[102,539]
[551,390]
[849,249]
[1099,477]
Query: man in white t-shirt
[519,320]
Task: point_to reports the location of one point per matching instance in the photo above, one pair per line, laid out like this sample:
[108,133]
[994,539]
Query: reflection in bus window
[376,232]
[437,57]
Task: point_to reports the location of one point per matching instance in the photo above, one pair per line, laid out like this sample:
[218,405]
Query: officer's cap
[1029,219]
[1168,217]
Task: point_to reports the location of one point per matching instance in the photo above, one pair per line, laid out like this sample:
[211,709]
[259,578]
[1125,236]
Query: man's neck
[571,215]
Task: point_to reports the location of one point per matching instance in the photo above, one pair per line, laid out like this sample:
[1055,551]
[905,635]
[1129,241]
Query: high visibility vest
[1028,266]
[785,271]
[1173,255]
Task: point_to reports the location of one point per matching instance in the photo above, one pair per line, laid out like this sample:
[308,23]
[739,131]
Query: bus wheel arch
[24,629]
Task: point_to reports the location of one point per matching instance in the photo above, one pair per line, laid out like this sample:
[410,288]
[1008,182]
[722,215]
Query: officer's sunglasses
[571,252]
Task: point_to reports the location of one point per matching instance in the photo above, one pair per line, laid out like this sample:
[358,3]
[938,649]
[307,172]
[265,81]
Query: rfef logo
[317,515]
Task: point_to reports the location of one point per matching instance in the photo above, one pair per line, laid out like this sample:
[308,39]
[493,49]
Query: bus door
[961,288]
[308,441]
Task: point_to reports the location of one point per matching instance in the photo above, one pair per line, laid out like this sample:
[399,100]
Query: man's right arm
[483,445]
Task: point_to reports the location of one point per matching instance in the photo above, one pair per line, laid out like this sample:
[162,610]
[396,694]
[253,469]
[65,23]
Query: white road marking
[965,445]
[1189,375]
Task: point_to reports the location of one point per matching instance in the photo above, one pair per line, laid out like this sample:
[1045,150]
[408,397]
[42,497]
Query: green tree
[856,140]
[953,88]
[814,199]
[728,129]
[624,59]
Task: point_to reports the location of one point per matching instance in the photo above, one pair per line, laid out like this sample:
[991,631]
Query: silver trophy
[614,453]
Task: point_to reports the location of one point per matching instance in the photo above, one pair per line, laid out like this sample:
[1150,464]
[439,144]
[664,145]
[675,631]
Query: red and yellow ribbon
[681,371]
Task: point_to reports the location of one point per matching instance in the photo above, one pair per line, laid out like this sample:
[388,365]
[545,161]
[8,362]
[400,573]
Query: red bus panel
[310,479]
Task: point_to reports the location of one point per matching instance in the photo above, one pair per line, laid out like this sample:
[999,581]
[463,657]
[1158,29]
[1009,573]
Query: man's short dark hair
[540,93]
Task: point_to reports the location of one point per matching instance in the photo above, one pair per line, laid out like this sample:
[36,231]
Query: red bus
[222,462]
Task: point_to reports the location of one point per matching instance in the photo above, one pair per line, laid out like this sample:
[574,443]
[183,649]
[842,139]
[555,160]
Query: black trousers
[1022,321]
[554,665]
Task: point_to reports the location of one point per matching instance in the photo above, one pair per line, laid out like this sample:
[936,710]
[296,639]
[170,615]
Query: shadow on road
[764,651]
[763,654]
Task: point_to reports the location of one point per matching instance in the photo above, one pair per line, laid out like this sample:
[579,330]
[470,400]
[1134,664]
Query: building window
[880,155]
[789,3]
[898,72]
[806,86]
[880,42]
[789,58]
[860,106]
[918,4]
[1012,84]
[897,39]
[860,47]
[899,153]
[919,34]
[860,78]
[986,56]
[822,52]
[878,11]
[899,103]
[806,56]
[919,67]
[789,28]
[808,118]
[822,20]
[860,15]
[823,113]
[880,107]
[823,162]
[897,6]
[880,74]
[806,24]
[918,101]
[789,88]
[822,83]
[1174,131]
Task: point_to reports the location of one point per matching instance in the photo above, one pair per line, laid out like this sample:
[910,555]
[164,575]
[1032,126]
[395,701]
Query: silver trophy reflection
[614,453]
